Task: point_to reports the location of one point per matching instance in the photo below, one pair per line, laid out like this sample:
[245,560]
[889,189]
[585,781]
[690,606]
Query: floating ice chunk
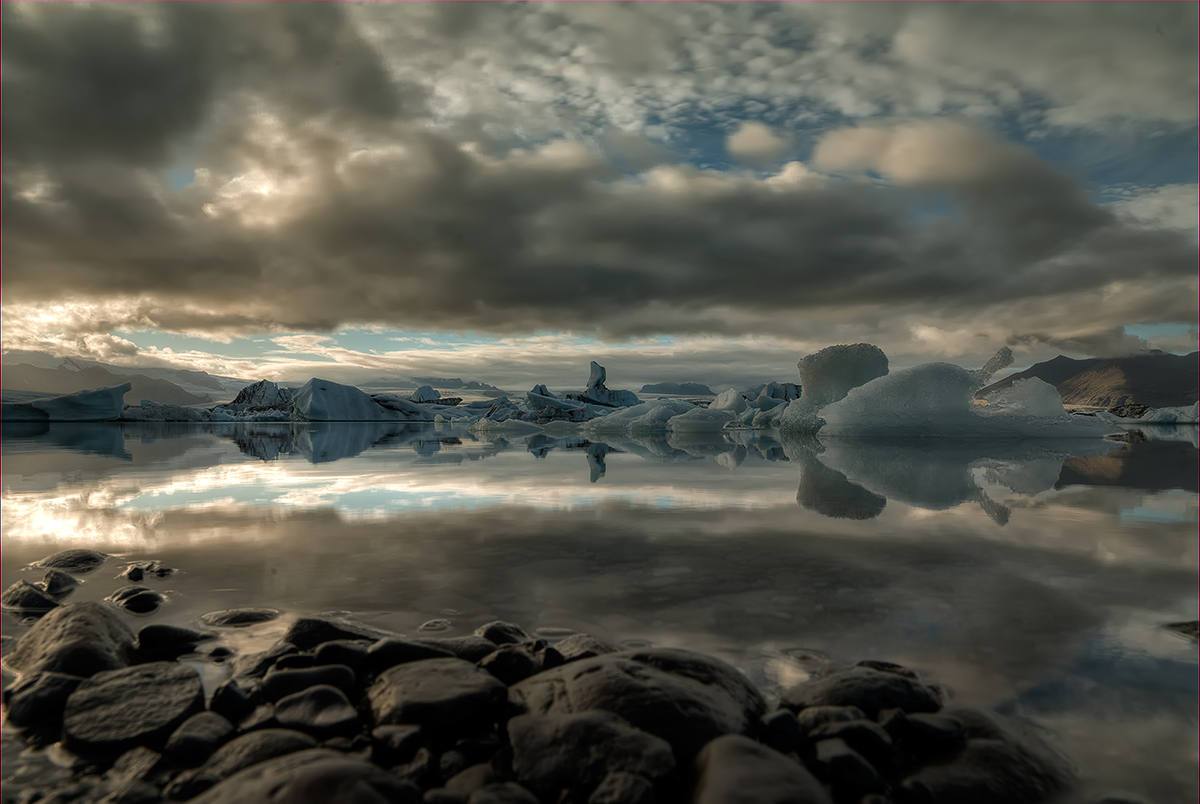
[597,392]
[784,391]
[96,405]
[701,420]
[1029,397]
[261,394]
[425,393]
[398,408]
[647,417]
[150,411]
[731,400]
[765,402]
[541,390]
[1177,415]
[826,377]
[538,401]
[507,426]
[326,401]
[1002,359]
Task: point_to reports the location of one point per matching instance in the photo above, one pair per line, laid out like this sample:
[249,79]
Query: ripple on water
[554,632]
[434,626]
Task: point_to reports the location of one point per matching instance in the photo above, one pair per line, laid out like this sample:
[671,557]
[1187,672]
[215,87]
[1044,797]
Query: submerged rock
[442,694]
[868,689]
[116,710]
[163,641]
[733,769]
[238,618]
[24,596]
[137,599]
[77,560]
[79,639]
[58,584]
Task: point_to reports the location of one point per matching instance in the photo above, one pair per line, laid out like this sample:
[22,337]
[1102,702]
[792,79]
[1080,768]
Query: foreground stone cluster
[339,712]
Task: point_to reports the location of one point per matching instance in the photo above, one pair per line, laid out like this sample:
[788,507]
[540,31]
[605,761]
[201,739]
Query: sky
[682,191]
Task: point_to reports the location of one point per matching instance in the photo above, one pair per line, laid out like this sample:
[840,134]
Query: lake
[1034,578]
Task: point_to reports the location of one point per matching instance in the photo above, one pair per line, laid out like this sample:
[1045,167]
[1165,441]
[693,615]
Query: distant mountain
[1157,379]
[24,377]
[684,388]
[200,384]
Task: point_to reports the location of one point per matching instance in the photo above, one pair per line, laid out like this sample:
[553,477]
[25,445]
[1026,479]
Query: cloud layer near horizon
[225,170]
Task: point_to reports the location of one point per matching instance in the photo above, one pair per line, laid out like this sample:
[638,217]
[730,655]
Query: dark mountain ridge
[1157,379]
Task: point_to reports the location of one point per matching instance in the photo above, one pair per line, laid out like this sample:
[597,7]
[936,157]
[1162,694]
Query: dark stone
[502,793]
[733,769]
[684,697]
[392,745]
[869,690]
[136,599]
[583,646]
[255,665]
[316,776]
[351,653]
[510,663]
[813,717]
[864,736]
[38,699]
[845,768]
[451,763]
[308,632]
[468,780]
[391,652]
[620,787]
[887,667]
[1002,763]
[238,618]
[294,661]
[281,683]
[231,701]
[549,658]
[444,694]
[116,710]
[261,717]
[58,584]
[440,795]
[924,735]
[132,793]
[163,641]
[140,569]
[198,737]
[73,561]
[24,596]
[421,770]
[188,785]
[478,749]
[137,764]
[321,710]
[502,633]
[781,731]
[467,648]
[572,753]
[255,747]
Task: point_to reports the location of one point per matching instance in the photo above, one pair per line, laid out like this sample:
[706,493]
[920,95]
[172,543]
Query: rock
[38,699]
[421,770]
[442,694]
[238,618]
[510,664]
[169,641]
[813,717]
[451,763]
[864,736]
[322,711]
[869,690]
[24,596]
[316,776]
[140,569]
[231,701]
[1130,410]
[58,584]
[79,639]
[392,745]
[136,764]
[198,737]
[351,653]
[781,731]
[583,646]
[1002,763]
[74,561]
[620,787]
[280,683]
[554,755]
[255,665]
[887,667]
[468,648]
[845,768]
[502,633]
[308,632]
[261,717]
[683,697]
[733,769]
[502,793]
[471,779]
[255,747]
[390,652]
[136,599]
[294,661]
[440,795]
[116,710]
[924,735]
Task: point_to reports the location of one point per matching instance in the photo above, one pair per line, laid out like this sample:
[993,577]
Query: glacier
[95,405]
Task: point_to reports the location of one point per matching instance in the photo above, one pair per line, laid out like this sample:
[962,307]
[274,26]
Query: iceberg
[826,377]
[262,394]
[730,400]
[701,420]
[596,392]
[325,401]
[96,405]
[643,418]
[425,393]
[1177,415]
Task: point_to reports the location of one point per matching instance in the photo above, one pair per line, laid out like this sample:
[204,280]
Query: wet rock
[255,747]
[444,694]
[392,745]
[1002,762]
[308,632]
[255,665]
[351,653]
[163,641]
[501,633]
[238,618]
[391,652]
[559,754]
[316,776]
[24,596]
[322,711]
[467,648]
[471,779]
[451,763]
[510,663]
[137,599]
[421,770]
[116,710]
[198,737]
[261,717]
[280,683]
[132,793]
[440,795]
[79,639]
[294,661]
[733,769]
[136,764]
[683,697]
[73,561]
[870,690]
[864,736]
[781,731]
[845,769]
[502,793]
[924,735]
[231,701]
[58,584]
[38,699]
[887,667]
[583,646]
[620,787]
[813,717]
[549,657]
[139,570]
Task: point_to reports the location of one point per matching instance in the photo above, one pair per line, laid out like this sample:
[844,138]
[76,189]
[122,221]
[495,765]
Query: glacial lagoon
[1036,578]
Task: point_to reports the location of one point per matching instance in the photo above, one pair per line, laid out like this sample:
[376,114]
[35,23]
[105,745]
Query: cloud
[756,144]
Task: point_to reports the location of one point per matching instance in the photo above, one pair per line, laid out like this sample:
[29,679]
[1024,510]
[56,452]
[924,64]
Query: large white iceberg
[598,393]
[826,377]
[326,401]
[96,405]
[1189,414]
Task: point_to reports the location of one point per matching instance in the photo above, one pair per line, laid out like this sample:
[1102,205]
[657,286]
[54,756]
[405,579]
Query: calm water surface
[1030,577]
